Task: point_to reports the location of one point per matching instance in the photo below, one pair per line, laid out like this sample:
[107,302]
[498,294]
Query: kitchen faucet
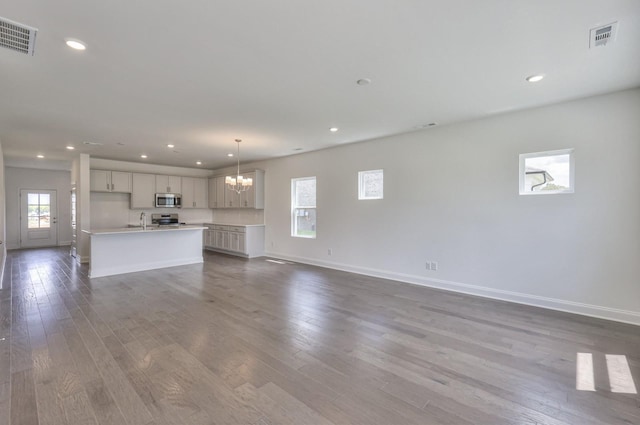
[143,220]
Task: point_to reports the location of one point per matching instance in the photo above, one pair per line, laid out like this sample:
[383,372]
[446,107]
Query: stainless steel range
[165,219]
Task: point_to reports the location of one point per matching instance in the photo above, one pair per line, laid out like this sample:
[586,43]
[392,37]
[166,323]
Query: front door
[38,223]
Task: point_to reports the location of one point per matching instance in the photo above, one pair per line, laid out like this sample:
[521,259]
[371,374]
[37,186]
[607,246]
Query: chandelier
[238,183]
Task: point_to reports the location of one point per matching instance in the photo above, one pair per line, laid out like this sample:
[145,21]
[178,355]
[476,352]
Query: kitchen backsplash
[238,216]
[111,210]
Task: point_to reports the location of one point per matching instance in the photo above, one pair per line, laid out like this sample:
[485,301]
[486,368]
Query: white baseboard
[601,312]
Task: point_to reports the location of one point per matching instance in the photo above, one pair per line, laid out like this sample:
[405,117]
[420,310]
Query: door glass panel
[38,211]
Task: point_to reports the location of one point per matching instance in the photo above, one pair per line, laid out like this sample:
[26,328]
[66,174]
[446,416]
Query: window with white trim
[303,207]
[370,184]
[547,172]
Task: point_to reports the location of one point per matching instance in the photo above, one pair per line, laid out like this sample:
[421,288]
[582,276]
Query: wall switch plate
[434,265]
[329,252]
[428,265]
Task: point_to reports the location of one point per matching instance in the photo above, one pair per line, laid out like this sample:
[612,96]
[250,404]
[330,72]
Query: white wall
[3,227]
[29,178]
[137,167]
[82,175]
[451,196]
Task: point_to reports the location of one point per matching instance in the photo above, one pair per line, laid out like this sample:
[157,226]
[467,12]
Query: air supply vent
[602,35]
[18,37]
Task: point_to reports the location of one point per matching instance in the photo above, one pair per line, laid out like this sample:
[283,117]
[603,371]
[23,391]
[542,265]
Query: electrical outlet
[329,251]
[434,265]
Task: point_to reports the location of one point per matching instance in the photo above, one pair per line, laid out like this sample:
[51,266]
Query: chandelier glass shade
[238,183]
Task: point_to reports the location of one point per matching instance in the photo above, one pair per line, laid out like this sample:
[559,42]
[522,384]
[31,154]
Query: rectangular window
[547,172]
[370,184]
[38,211]
[303,207]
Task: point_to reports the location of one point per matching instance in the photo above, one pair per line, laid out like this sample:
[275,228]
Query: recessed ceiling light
[75,44]
[363,81]
[143,156]
[40,156]
[535,78]
[171,146]
[70,148]
[229,155]
[198,162]
[333,129]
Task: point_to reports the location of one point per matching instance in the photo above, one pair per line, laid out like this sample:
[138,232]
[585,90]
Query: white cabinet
[100,181]
[168,184]
[194,192]
[231,198]
[251,198]
[143,194]
[110,181]
[216,192]
[245,241]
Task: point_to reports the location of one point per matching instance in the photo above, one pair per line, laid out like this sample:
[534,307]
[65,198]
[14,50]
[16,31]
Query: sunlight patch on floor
[618,371]
[620,377]
[584,372]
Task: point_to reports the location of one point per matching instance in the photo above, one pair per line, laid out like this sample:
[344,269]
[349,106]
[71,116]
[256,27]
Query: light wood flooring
[237,341]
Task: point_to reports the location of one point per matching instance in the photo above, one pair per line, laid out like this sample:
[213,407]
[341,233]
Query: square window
[547,172]
[303,207]
[370,184]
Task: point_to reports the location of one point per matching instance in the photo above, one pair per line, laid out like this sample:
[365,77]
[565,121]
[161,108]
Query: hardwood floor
[237,341]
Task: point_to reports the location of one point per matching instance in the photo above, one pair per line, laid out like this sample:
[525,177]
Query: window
[370,184]
[38,211]
[547,172]
[303,207]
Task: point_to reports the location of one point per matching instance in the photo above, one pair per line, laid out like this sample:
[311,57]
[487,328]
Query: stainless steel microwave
[168,200]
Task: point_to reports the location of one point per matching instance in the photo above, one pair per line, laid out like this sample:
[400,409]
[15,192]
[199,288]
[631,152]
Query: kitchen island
[126,250]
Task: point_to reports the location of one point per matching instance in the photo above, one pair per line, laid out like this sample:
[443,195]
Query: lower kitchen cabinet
[246,241]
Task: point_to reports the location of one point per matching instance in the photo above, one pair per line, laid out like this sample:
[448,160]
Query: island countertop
[233,224]
[141,230]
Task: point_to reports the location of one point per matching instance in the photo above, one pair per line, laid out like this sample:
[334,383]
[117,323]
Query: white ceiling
[279,73]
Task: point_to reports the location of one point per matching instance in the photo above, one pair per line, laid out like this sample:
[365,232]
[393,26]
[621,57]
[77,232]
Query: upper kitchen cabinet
[254,196]
[194,192]
[110,181]
[216,192]
[143,194]
[251,198]
[168,184]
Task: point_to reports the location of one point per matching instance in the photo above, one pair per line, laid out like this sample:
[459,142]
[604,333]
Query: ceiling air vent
[18,37]
[602,35]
